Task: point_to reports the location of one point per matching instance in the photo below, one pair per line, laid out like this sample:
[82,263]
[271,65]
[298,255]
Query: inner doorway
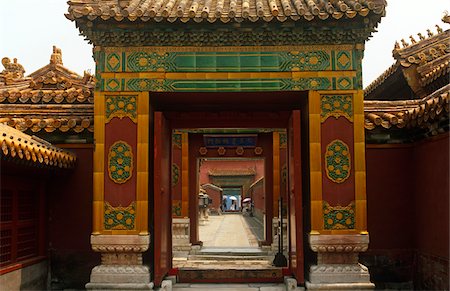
[261,119]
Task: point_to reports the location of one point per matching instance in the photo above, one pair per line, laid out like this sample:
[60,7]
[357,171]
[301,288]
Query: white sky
[29,29]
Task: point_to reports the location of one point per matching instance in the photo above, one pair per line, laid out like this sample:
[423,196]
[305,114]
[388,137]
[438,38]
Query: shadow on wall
[71,269]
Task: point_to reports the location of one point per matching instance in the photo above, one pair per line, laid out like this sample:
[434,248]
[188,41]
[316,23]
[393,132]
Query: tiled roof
[422,60]
[17,145]
[407,113]
[222,10]
[52,98]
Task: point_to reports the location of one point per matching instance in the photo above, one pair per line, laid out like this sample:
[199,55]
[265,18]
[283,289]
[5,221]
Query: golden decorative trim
[121,106]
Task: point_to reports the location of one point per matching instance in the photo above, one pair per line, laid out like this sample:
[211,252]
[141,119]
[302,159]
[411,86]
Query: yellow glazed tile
[359,157]
[98,186]
[360,185]
[142,186]
[316,215]
[314,128]
[142,157]
[316,186]
[361,217]
[315,157]
[99,165]
[358,102]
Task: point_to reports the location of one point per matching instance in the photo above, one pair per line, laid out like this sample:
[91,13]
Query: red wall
[390,204]
[258,197]
[408,213]
[70,222]
[230,165]
[431,189]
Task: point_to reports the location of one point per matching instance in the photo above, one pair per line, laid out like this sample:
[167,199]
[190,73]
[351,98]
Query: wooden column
[338,196]
[120,204]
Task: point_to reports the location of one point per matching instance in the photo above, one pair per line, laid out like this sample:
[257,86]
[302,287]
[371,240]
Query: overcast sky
[29,29]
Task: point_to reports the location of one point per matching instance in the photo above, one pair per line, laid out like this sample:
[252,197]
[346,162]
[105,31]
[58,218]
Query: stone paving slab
[229,287]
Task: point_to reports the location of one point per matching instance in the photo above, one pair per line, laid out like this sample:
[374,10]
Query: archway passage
[203,113]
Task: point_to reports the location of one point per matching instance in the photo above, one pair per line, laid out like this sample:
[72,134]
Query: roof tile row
[223,10]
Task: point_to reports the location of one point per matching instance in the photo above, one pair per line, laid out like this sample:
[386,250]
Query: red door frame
[295,223]
[162,198]
[258,119]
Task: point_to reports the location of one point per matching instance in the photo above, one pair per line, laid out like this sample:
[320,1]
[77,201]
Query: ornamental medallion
[120,162]
[337,161]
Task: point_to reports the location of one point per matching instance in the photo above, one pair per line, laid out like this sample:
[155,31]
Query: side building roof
[20,147]
[50,99]
[415,91]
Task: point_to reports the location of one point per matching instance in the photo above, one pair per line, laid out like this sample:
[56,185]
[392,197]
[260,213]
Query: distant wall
[257,194]
[70,222]
[408,220]
[230,165]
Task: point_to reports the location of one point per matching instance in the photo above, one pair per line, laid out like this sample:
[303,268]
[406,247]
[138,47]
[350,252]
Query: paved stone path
[232,236]
[228,230]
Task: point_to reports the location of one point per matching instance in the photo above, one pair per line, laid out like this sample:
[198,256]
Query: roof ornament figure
[56,57]
[421,37]
[12,70]
[439,29]
[404,43]
[446,17]
[430,34]
[413,41]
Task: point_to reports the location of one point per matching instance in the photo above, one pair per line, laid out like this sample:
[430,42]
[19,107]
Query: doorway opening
[210,130]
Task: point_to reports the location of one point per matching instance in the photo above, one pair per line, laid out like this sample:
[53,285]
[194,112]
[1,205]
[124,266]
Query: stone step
[230,287]
[221,257]
[232,251]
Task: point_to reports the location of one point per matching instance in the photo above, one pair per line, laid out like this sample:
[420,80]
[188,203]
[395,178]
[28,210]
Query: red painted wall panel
[120,129]
[338,193]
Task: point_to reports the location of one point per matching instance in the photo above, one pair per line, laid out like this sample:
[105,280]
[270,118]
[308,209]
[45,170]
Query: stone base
[339,273]
[120,277]
[339,286]
[116,286]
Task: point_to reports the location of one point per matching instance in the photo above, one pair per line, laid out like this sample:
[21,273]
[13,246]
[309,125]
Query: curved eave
[18,146]
[406,113]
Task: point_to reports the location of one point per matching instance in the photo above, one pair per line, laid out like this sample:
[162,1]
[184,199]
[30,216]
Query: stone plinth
[275,231]
[121,267]
[181,245]
[337,263]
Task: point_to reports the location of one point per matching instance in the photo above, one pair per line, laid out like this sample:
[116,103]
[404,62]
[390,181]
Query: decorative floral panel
[176,140]
[336,106]
[121,106]
[175,174]
[176,207]
[120,162]
[339,217]
[337,161]
[119,218]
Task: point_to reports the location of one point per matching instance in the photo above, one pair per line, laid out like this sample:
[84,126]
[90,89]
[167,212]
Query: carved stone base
[121,267]
[180,237]
[123,277]
[339,273]
[337,263]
